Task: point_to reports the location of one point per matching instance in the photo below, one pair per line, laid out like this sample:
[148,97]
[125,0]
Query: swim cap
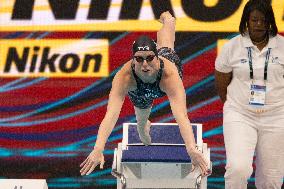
[144,43]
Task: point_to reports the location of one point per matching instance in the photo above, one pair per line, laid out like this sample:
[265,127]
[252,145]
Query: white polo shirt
[234,58]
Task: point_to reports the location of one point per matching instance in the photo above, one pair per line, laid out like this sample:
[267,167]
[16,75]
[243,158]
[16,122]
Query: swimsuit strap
[160,73]
[133,71]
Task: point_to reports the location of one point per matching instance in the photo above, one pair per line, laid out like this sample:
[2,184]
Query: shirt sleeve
[222,60]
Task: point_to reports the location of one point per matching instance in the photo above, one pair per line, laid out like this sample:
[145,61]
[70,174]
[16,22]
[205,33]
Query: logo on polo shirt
[243,61]
[275,60]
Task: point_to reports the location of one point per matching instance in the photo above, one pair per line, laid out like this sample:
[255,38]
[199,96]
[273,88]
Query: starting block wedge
[163,164]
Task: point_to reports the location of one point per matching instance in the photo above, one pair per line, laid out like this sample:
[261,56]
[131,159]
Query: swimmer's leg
[143,124]
[166,35]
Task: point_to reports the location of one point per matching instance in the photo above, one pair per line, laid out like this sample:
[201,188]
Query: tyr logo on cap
[145,48]
[144,43]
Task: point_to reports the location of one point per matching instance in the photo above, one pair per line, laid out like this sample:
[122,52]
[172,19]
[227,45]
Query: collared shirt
[234,58]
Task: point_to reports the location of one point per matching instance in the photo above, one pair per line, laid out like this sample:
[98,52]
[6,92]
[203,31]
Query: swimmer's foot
[144,133]
[166,16]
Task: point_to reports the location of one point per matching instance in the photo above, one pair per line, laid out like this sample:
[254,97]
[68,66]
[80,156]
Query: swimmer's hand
[198,160]
[95,157]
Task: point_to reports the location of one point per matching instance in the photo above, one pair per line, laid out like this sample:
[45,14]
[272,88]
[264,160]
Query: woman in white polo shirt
[249,75]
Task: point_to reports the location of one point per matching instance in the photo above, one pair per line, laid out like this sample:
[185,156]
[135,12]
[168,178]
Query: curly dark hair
[263,6]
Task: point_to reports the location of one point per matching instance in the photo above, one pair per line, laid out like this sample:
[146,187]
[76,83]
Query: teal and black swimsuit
[145,93]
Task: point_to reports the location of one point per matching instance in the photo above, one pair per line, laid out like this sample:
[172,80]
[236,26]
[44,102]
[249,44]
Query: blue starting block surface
[172,154]
[167,134]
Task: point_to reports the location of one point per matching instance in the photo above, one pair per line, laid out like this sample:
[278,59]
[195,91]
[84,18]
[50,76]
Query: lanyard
[266,63]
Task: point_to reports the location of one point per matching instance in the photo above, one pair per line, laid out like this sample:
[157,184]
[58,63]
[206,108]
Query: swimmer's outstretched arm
[173,86]
[115,102]
[116,98]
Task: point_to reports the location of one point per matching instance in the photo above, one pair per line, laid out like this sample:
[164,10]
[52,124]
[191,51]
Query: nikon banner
[54,58]
[124,15]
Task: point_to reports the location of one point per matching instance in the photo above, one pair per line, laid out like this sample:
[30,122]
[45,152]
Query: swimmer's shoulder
[125,75]
[126,70]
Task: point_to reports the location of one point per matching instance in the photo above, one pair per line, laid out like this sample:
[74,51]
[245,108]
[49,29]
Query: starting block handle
[115,172]
[114,163]
[206,152]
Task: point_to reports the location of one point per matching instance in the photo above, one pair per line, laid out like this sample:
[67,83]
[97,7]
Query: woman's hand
[95,157]
[198,160]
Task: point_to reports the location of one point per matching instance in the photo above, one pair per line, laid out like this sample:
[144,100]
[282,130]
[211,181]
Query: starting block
[163,164]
